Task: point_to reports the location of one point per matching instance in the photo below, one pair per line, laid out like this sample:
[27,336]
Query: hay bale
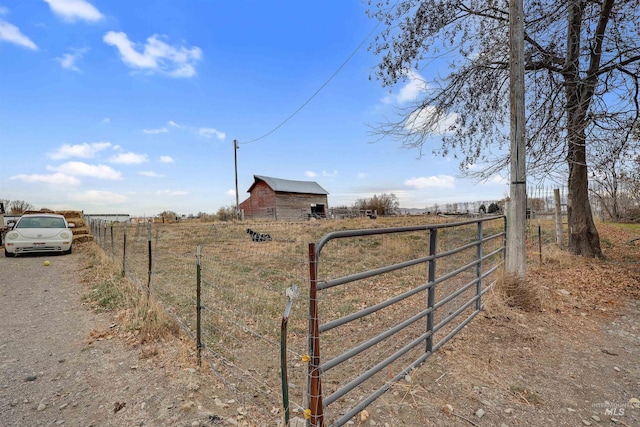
[82,238]
[70,214]
[77,222]
[81,231]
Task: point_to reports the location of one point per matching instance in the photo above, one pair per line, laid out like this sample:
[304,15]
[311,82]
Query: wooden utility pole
[515,262]
[235,161]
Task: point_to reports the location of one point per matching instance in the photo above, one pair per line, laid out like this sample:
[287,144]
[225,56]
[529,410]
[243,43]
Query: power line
[318,90]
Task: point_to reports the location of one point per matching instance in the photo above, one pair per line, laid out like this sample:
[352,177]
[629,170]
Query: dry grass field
[244,285]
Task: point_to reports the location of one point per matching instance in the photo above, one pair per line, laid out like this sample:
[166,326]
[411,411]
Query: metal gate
[399,294]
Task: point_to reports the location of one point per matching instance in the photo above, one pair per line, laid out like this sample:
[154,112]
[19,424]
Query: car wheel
[8,254]
[69,251]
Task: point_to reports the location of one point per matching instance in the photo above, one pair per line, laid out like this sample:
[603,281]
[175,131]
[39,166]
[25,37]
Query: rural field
[563,353]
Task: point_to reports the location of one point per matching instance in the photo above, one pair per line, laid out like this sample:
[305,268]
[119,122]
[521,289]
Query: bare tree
[383,204]
[630,188]
[227,213]
[19,206]
[582,65]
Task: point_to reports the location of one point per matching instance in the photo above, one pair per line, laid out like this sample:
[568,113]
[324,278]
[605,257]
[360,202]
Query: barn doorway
[317,211]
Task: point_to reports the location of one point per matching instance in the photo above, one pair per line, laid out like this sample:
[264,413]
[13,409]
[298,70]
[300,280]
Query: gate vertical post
[315,383]
[479,248]
[431,292]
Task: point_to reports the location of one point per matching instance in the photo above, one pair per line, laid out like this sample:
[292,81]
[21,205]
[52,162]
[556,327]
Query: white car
[39,233]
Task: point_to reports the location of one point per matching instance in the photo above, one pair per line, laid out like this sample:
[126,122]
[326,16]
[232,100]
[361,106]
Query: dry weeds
[142,319]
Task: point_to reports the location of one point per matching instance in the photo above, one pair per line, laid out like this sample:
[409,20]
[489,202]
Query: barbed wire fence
[244,271]
[243,282]
[547,221]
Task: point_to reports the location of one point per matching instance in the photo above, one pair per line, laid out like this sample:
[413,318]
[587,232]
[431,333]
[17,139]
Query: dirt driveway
[52,373]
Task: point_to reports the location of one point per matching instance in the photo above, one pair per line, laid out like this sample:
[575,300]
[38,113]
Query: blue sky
[132,107]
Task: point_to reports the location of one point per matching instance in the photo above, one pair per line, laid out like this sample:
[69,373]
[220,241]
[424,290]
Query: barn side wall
[261,202]
[295,206]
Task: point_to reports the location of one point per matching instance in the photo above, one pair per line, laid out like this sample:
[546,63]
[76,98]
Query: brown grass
[516,310]
[142,316]
[518,292]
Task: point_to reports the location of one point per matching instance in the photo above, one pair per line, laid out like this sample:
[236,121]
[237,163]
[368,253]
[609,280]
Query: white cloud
[497,179]
[439,181]
[155,131]
[84,169]
[430,119]
[53,179]
[155,55]
[208,132]
[150,174]
[85,151]
[171,193]
[166,159]
[3,10]
[413,88]
[174,124]
[96,197]
[330,174]
[10,33]
[311,174]
[410,91]
[72,10]
[106,120]
[231,192]
[68,60]
[362,175]
[128,158]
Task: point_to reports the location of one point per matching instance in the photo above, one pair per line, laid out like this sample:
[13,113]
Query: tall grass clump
[109,291]
[518,292]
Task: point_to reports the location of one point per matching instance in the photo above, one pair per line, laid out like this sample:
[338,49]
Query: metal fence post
[431,292]
[124,250]
[198,304]
[150,258]
[539,243]
[315,382]
[113,246]
[291,294]
[479,267]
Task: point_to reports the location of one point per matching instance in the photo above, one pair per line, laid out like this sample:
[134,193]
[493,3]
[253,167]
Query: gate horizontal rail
[488,257]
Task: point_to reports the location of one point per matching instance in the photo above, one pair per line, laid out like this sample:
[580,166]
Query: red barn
[276,198]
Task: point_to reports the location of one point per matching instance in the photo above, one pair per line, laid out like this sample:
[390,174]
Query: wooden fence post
[558,216]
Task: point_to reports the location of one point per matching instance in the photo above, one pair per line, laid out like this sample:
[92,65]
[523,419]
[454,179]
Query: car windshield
[41,222]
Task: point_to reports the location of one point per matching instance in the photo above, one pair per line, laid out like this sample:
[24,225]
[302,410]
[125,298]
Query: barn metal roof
[290,186]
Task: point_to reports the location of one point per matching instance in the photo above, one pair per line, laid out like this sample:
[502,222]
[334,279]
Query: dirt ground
[62,363]
[573,360]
